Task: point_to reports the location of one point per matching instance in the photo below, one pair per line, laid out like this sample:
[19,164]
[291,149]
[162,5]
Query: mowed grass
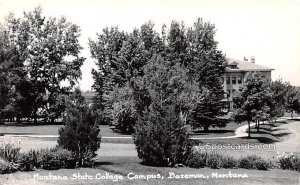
[127,167]
[106,130]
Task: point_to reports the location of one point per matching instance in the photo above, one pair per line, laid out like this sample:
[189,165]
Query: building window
[233,80]
[239,80]
[228,80]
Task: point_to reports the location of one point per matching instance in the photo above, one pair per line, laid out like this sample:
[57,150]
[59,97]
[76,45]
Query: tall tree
[279,91]
[48,49]
[161,137]
[293,100]
[120,58]
[207,66]
[253,102]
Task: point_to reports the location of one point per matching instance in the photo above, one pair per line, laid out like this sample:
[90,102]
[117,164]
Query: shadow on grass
[202,132]
[265,140]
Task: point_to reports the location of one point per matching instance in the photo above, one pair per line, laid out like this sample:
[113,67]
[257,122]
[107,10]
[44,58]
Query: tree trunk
[206,128]
[249,129]
[35,115]
[292,114]
[257,126]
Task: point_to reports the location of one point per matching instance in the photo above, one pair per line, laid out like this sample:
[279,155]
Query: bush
[161,138]
[229,162]
[197,160]
[28,161]
[214,160]
[56,158]
[10,151]
[200,159]
[6,166]
[289,162]
[254,162]
[80,134]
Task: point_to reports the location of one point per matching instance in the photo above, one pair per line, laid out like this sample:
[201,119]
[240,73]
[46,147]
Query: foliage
[10,151]
[200,159]
[229,162]
[206,65]
[6,166]
[160,133]
[46,53]
[254,101]
[56,158]
[279,96]
[121,56]
[80,134]
[254,162]
[293,99]
[289,162]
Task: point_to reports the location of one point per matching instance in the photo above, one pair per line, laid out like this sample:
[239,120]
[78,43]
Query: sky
[269,30]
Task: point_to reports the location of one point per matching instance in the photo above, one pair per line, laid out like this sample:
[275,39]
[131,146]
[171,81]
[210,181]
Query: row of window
[234,80]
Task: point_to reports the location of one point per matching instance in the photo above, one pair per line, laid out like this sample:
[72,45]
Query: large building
[235,74]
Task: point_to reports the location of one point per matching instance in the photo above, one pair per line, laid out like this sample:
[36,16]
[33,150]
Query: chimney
[252,59]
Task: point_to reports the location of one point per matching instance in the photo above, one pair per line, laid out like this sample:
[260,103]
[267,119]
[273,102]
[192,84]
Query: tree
[206,65]
[48,50]
[253,102]
[80,133]
[120,58]
[160,133]
[293,99]
[279,91]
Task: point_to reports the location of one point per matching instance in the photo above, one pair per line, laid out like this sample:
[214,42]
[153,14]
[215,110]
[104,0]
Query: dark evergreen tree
[160,134]
[80,133]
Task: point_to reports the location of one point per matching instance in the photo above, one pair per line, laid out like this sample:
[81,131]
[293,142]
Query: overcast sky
[267,29]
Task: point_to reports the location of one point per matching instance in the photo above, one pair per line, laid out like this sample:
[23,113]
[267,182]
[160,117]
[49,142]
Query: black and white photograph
[151,92]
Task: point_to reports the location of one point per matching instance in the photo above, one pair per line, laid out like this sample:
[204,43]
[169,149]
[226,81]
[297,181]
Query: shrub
[80,134]
[6,166]
[214,160]
[161,138]
[28,161]
[289,162]
[10,151]
[197,160]
[229,162]
[262,164]
[254,162]
[200,159]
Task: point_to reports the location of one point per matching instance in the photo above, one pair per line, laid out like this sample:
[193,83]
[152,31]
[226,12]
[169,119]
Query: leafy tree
[253,102]
[48,50]
[207,66]
[105,50]
[121,57]
[80,133]
[160,133]
[279,91]
[293,99]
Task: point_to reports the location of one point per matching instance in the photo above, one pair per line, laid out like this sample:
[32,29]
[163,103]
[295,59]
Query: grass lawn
[124,166]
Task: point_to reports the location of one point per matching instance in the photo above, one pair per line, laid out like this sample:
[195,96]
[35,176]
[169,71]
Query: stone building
[235,75]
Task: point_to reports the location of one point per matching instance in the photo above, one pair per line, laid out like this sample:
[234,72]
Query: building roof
[238,65]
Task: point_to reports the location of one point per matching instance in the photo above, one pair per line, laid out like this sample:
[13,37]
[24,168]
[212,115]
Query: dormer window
[233,65]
